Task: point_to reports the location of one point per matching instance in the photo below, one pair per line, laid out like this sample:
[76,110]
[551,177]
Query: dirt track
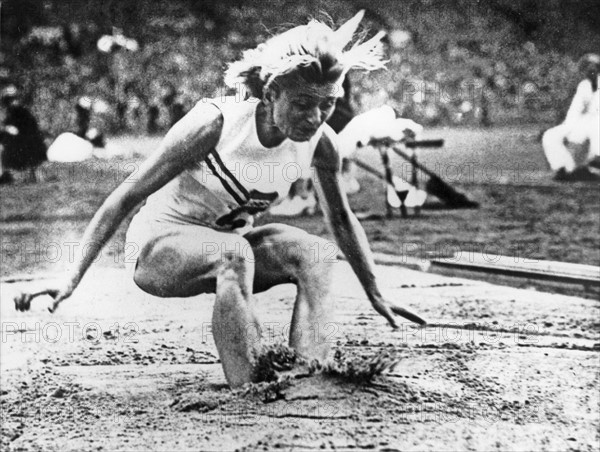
[497,369]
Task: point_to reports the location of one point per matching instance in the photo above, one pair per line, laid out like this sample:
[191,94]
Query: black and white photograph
[239,225]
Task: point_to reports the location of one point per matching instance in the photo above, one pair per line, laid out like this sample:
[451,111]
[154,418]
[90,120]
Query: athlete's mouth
[310,131]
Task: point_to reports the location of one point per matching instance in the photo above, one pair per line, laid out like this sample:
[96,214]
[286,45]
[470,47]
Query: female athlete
[227,161]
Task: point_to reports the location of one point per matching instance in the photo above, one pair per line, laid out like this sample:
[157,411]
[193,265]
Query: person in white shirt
[571,148]
[196,232]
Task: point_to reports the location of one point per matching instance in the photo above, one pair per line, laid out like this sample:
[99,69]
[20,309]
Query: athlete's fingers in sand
[402,312]
[23,299]
[389,310]
[383,308]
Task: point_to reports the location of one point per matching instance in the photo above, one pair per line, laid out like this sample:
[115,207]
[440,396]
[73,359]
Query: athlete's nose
[313,117]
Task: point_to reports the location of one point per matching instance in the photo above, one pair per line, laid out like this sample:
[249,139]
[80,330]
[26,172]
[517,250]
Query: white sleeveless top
[239,172]
[586,102]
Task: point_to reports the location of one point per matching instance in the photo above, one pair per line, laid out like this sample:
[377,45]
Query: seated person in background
[571,148]
[22,142]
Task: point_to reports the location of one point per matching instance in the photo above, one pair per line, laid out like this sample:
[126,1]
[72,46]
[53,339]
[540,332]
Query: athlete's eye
[301,105]
[328,105]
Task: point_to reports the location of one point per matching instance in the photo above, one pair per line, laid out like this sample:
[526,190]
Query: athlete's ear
[271,94]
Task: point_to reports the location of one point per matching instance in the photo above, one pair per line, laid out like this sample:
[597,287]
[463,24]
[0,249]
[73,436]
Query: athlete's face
[299,110]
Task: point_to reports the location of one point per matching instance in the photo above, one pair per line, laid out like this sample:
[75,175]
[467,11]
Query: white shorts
[144,228]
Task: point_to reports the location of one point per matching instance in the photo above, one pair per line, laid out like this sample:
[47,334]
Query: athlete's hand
[389,310]
[58,291]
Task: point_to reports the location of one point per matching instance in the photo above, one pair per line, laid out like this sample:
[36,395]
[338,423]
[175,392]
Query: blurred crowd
[145,87]
[66,70]
[92,79]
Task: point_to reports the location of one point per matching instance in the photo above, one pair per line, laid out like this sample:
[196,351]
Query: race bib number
[256,203]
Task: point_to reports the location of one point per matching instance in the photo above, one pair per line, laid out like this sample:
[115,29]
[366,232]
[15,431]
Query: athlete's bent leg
[178,264]
[593,135]
[235,328]
[189,260]
[286,254]
[556,152]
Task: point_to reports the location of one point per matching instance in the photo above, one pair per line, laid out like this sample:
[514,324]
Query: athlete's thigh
[280,251]
[183,260]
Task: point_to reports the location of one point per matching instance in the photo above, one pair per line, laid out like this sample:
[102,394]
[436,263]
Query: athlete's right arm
[188,142]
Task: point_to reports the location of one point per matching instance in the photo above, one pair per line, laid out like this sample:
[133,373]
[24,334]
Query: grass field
[523,212]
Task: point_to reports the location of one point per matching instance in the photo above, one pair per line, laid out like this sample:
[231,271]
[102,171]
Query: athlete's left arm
[347,230]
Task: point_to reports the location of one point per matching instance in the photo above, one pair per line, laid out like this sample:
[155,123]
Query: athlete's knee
[156,269]
[326,253]
[312,256]
[235,254]
[235,262]
[152,281]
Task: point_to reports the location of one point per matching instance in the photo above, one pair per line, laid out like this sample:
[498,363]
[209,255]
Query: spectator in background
[174,104]
[83,111]
[23,146]
[121,109]
[153,114]
[571,148]
[134,103]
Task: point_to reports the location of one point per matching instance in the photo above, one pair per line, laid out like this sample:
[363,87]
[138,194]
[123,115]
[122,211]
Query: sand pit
[114,369]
